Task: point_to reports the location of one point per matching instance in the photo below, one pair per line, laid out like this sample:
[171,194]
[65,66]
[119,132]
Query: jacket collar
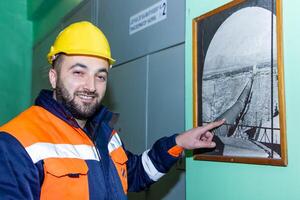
[45,100]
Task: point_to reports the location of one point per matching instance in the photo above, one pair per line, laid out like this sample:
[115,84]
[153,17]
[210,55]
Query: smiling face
[80,84]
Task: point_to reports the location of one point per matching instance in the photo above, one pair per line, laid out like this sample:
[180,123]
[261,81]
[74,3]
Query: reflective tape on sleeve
[150,169]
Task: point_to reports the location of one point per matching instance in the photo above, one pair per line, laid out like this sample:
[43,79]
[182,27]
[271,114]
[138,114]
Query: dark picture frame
[238,75]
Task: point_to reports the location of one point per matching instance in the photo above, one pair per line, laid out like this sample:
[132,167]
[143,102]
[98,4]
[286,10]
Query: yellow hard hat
[82,38]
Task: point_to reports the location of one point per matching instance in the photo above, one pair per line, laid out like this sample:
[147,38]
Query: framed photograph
[238,76]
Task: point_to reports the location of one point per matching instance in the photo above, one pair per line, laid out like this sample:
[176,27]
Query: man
[65,147]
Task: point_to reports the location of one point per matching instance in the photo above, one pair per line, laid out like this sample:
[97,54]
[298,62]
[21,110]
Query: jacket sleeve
[20,177]
[145,169]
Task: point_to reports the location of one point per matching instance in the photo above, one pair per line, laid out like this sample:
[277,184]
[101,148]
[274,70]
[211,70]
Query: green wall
[230,181]
[46,15]
[23,23]
[15,56]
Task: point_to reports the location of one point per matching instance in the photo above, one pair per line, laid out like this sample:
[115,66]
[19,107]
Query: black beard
[78,112]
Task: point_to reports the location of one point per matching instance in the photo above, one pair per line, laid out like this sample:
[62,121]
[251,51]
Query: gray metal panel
[82,12]
[166,113]
[40,65]
[114,21]
[166,93]
[126,94]
[170,187]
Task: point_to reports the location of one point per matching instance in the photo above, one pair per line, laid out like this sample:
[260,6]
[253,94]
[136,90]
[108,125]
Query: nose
[90,84]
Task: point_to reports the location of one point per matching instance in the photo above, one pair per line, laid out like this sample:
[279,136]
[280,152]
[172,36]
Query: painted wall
[15,56]
[22,24]
[229,181]
[46,15]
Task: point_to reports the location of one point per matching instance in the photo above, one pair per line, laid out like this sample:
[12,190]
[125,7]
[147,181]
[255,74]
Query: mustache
[87,93]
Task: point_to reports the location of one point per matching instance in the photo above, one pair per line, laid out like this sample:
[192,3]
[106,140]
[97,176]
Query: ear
[53,77]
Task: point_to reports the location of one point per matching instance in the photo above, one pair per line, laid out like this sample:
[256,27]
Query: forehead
[91,62]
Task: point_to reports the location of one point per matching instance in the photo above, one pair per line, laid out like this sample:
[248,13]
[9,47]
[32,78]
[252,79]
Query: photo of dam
[243,98]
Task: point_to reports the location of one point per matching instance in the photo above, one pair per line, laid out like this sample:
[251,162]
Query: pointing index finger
[212,125]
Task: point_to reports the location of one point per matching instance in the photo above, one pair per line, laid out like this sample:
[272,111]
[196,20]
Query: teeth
[86,97]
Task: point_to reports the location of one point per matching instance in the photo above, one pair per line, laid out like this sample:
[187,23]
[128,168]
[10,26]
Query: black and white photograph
[239,79]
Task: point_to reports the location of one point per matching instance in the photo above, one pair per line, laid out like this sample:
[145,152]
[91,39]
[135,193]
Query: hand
[199,137]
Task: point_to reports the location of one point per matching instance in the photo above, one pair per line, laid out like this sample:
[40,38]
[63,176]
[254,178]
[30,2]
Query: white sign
[148,17]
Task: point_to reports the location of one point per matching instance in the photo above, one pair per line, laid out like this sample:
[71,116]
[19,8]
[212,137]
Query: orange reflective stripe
[38,125]
[175,151]
[65,178]
[119,158]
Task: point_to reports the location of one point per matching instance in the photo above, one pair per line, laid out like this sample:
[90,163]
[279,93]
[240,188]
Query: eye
[78,73]
[101,77]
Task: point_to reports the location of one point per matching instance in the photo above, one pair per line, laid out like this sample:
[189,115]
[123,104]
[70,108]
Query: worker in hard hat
[65,147]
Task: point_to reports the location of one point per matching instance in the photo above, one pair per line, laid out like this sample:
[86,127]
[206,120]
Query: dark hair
[56,63]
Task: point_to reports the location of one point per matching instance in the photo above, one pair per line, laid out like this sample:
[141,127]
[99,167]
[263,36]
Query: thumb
[206,144]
